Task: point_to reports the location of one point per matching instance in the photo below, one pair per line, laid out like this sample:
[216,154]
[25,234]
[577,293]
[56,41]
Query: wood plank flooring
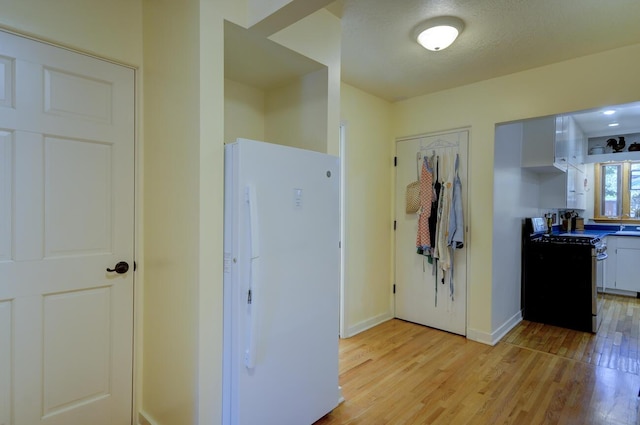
[616,345]
[403,373]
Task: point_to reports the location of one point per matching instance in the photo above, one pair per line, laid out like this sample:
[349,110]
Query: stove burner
[568,240]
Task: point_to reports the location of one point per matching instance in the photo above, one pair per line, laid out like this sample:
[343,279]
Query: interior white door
[420,295]
[66,215]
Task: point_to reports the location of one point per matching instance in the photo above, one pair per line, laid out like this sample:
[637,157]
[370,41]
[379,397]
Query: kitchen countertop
[602,230]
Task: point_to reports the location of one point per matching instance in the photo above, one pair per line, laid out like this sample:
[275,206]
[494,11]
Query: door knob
[120,268]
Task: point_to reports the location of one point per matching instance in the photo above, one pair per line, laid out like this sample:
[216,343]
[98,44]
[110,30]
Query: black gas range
[590,242]
[561,274]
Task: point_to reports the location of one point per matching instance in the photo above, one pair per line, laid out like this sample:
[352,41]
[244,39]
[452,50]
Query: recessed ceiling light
[609,112]
[614,124]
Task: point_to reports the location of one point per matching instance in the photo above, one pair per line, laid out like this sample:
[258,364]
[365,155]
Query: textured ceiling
[500,37]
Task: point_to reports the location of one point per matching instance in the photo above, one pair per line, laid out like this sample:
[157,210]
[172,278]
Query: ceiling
[596,124]
[380,55]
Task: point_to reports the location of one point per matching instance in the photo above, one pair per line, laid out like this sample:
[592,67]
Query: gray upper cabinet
[542,150]
[554,148]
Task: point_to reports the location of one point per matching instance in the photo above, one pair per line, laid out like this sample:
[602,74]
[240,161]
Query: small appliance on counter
[571,222]
[596,150]
[561,274]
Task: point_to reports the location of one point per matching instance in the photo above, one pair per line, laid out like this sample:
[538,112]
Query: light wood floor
[403,373]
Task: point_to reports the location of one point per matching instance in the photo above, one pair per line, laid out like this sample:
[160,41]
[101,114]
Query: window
[618,191]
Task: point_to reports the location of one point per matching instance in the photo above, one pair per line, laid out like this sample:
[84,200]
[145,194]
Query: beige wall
[607,78]
[318,37]
[109,29]
[243,112]
[369,206]
[296,114]
[171,210]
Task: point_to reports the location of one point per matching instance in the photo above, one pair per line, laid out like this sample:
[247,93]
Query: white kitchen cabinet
[610,263]
[623,264]
[628,263]
[563,190]
[576,142]
[544,145]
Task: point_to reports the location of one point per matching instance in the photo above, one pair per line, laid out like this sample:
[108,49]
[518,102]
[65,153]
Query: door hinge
[249,297]
[395,161]
[394,288]
[395,224]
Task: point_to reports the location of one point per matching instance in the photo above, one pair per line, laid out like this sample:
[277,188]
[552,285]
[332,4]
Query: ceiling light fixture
[438,33]
[609,112]
[614,124]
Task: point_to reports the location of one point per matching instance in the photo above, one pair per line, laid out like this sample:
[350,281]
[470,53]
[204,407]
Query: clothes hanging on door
[433,217]
[423,238]
[455,238]
[456,219]
[445,220]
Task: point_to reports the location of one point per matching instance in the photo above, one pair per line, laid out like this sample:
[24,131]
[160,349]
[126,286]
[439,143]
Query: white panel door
[66,215]
[421,296]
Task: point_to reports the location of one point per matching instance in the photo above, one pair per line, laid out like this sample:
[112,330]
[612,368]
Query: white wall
[516,196]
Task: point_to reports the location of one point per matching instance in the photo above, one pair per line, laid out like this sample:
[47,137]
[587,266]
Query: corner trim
[145,419]
[367,324]
[494,337]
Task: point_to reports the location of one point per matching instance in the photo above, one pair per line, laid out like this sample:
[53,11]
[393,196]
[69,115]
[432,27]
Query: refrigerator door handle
[254,273]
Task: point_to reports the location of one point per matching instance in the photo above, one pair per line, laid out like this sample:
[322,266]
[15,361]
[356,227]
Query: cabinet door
[610,263]
[541,149]
[571,187]
[580,195]
[576,144]
[628,269]
[562,142]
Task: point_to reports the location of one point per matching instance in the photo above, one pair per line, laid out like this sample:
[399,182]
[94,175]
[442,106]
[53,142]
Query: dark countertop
[602,230]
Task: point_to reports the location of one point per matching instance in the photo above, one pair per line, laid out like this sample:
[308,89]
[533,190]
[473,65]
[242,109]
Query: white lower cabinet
[623,264]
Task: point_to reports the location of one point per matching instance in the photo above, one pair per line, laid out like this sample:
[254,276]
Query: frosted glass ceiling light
[438,33]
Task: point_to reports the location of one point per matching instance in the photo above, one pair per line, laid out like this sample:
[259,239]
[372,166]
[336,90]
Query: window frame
[625,186]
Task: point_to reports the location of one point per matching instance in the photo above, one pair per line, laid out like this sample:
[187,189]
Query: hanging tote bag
[412,197]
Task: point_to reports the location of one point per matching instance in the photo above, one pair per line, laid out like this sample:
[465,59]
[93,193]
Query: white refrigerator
[281,284]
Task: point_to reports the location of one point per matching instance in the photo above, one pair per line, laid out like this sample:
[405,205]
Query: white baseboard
[494,337]
[479,336]
[367,324]
[145,419]
[511,323]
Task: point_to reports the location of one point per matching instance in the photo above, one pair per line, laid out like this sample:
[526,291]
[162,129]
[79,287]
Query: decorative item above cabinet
[613,148]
